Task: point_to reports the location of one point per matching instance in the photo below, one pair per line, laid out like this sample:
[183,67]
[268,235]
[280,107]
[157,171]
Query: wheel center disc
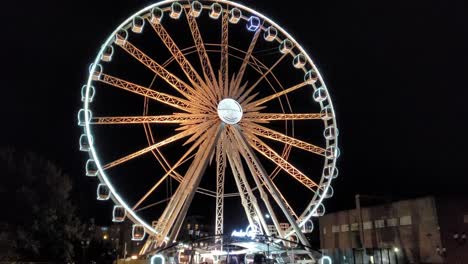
[229,111]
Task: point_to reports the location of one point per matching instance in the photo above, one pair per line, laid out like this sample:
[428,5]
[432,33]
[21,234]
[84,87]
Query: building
[422,230]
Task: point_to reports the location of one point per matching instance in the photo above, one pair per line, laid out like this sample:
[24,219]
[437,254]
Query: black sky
[396,70]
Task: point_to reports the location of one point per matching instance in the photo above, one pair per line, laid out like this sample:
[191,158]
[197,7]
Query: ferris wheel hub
[229,111]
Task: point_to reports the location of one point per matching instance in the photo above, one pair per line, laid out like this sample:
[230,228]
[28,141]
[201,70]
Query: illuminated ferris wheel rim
[316,200]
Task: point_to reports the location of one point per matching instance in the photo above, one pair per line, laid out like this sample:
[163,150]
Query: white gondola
[308,227]
[96,73]
[326,192]
[253,23]
[320,95]
[138,232]
[103,192]
[320,211]
[107,53]
[235,15]
[326,113]
[195,9]
[82,117]
[176,10]
[299,61]
[332,152]
[121,37]
[330,132]
[91,93]
[215,10]
[156,15]
[311,77]
[91,168]
[118,213]
[85,142]
[330,172]
[286,46]
[137,24]
[270,33]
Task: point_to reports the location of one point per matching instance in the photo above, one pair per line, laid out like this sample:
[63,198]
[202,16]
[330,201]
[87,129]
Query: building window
[344,228]
[335,229]
[465,219]
[405,220]
[354,227]
[392,222]
[379,223]
[367,225]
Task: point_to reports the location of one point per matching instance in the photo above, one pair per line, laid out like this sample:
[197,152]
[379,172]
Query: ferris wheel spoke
[176,118]
[220,173]
[180,86]
[237,88]
[146,92]
[169,172]
[270,154]
[188,69]
[249,202]
[264,75]
[208,71]
[149,148]
[251,105]
[224,65]
[190,183]
[265,117]
[250,155]
[277,136]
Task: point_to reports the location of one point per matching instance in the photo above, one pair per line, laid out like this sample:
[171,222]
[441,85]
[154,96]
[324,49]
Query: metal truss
[158,96]
[187,68]
[224,65]
[220,172]
[264,117]
[274,135]
[250,106]
[269,153]
[177,118]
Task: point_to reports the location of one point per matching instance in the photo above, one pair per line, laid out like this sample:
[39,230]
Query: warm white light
[134,257]
[396,249]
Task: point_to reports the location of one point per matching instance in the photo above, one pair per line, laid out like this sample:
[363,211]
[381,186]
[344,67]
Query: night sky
[396,70]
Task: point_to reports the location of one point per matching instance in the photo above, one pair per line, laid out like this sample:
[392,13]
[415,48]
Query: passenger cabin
[118,213]
[121,37]
[235,15]
[138,232]
[330,132]
[85,142]
[137,24]
[326,113]
[96,73]
[196,9]
[270,34]
[286,46]
[91,168]
[320,211]
[311,77]
[156,15]
[176,10]
[215,10]
[82,117]
[90,93]
[253,24]
[103,192]
[332,152]
[330,172]
[299,61]
[107,53]
[326,192]
[320,95]
[308,227]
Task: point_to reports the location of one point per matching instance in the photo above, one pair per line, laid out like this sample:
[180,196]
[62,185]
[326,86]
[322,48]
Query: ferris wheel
[193,87]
